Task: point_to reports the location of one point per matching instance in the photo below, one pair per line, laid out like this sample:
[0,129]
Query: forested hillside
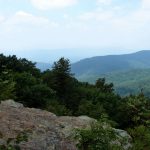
[111,63]
[125,82]
[58,91]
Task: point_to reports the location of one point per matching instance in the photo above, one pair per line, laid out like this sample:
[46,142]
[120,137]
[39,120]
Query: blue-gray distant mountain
[112,63]
[43,66]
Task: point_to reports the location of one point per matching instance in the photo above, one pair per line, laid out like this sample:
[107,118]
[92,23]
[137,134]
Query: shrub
[98,137]
[141,137]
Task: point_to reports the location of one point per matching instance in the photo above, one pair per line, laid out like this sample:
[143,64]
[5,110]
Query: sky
[44,30]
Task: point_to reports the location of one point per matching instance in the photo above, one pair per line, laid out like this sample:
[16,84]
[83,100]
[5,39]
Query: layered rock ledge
[35,129]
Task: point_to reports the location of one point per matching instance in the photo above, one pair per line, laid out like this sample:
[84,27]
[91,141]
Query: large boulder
[35,129]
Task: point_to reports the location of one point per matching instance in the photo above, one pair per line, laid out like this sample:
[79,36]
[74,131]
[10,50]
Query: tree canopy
[58,91]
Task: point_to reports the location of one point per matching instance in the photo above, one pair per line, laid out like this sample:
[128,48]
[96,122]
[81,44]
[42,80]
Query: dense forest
[125,82]
[58,91]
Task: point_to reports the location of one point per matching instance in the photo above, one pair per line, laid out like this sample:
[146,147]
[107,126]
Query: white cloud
[52,4]
[114,25]
[145,4]
[111,25]
[66,16]
[25,22]
[25,30]
[2,18]
[142,15]
[24,18]
[132,18]
[96,15]
[105,2]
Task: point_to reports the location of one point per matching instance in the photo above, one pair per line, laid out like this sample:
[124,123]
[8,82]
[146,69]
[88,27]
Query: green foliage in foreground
[7,89]
[135,111]
[7,85]
[12,143]
[141,137]
[99,136]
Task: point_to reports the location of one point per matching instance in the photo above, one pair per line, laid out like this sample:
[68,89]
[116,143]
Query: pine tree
[62,80]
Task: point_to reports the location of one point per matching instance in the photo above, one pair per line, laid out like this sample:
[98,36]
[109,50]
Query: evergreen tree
[7,85]
[103,86]
[63,80]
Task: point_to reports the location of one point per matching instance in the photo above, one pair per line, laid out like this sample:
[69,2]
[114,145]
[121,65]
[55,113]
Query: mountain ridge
[106,64]
[111,63]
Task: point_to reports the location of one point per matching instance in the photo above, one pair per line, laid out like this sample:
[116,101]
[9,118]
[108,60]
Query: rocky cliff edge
[35,129]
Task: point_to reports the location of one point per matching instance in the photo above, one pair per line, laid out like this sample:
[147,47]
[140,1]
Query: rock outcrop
[35,129]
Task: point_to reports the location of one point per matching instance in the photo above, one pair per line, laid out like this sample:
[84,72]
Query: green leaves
[90,109]
[141,137]
[32,92]
[7,85]
[99,136]
[13,143]
[103,86]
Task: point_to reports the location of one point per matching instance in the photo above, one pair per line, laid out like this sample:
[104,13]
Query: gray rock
[38,129]
[124,139]
[11,103]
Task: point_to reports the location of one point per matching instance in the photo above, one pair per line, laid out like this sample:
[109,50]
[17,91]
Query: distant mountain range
[130,73]
[107,64]
[112,63]
[43,66]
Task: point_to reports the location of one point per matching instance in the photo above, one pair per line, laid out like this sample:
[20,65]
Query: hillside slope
[125,82]
[112,63]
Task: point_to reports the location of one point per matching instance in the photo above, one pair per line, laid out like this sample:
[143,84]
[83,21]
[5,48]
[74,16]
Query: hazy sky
[46,29]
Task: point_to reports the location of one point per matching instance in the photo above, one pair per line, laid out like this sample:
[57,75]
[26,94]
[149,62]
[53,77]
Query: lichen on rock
[35,129]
